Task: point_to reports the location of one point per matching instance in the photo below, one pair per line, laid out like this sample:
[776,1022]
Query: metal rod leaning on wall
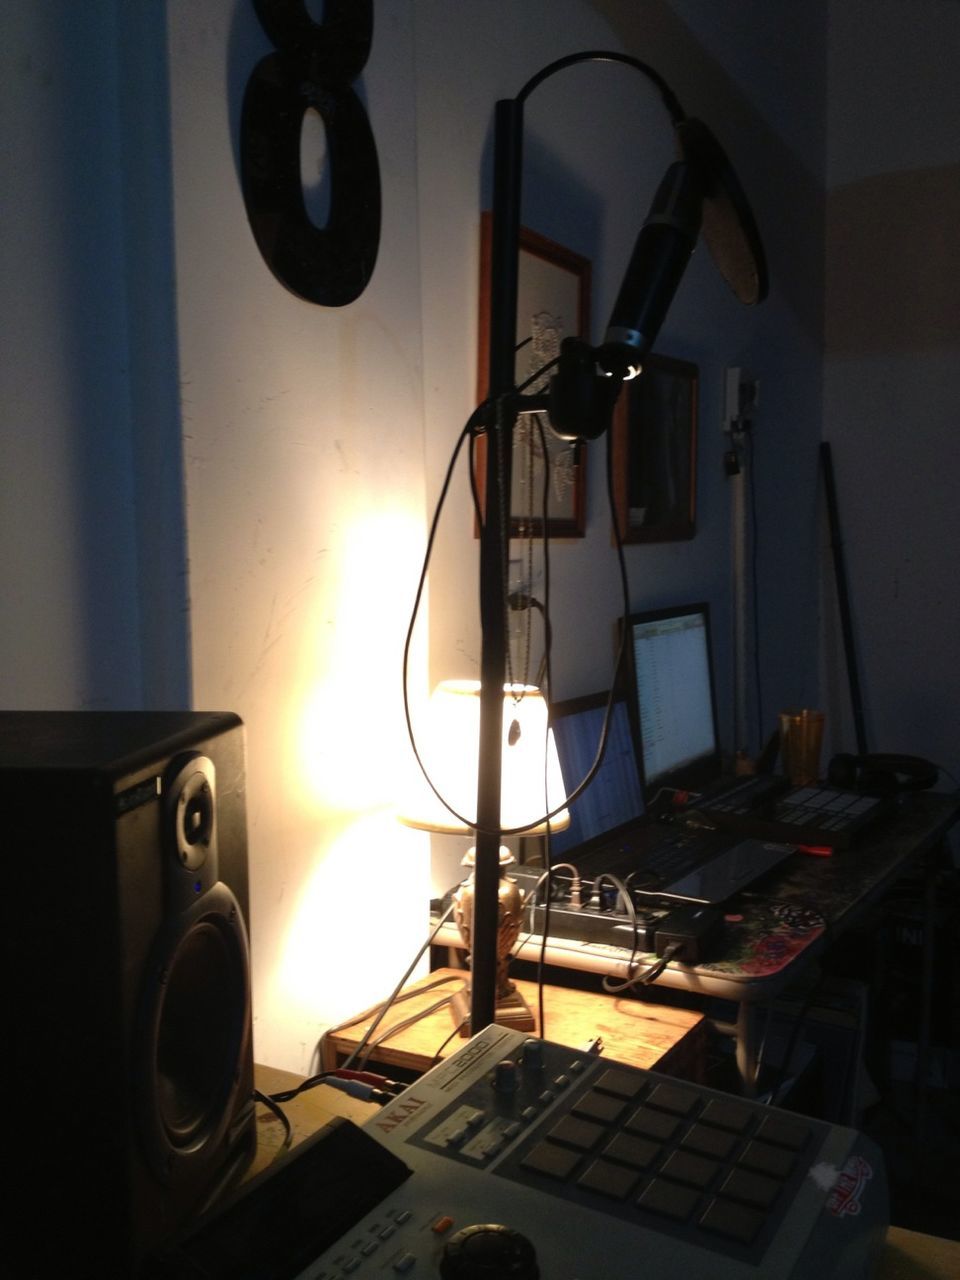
[843,598]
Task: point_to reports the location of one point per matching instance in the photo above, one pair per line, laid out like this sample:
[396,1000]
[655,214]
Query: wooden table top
[643,1035]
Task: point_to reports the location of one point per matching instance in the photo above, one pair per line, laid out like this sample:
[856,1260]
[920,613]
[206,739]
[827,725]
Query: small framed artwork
[655,452]
[553,302]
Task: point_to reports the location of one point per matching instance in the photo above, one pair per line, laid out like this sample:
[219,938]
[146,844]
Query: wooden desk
[784,922]
[908,1255]
[672,1040]
[307,1113]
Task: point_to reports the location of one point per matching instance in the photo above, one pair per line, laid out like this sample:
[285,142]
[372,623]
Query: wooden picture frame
[553,302]
[655,452]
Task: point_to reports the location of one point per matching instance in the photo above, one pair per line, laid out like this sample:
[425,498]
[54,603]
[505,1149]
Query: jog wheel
[488,1251]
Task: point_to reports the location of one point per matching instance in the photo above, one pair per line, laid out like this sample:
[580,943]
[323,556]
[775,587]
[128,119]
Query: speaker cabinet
[125,979]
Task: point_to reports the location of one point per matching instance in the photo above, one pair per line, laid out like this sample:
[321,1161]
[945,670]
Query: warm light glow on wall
[352,933]
[352,733]
[361,910]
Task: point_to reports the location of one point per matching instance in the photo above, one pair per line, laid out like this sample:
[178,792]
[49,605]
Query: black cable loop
[475,423]
[470,429]
[548,675]
[670,99]
[505,515]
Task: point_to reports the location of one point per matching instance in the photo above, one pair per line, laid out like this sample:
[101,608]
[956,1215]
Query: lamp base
[511,1011]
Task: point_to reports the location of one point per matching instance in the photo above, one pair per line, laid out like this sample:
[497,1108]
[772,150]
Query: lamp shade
[530,780]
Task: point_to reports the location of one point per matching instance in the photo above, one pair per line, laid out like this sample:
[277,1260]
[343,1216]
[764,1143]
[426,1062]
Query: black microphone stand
[495,527]
[494,555]
[580,404]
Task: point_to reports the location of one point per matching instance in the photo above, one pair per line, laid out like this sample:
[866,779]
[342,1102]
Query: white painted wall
[303,443]
[892,369]
[69,623]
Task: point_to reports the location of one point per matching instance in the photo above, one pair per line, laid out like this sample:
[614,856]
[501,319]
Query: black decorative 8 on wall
[314,65]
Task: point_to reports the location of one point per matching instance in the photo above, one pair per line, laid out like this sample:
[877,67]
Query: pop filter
[728,224]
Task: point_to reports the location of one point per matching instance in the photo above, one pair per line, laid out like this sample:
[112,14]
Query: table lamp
[531,788]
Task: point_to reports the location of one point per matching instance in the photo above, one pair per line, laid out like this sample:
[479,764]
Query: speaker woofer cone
[200,1033]
[196,1029]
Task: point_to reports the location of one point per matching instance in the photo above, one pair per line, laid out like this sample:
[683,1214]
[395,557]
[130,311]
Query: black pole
[846,622]
[494,541]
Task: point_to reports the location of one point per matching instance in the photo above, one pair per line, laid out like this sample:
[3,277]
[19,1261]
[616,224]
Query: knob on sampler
[488,1251]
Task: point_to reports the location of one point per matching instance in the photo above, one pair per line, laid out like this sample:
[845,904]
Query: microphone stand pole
[652,276]
[494,556]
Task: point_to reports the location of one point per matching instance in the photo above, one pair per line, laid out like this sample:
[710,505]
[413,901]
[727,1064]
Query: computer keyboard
[677,852]
[658,854]
[740,795]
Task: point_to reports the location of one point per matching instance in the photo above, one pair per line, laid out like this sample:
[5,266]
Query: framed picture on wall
[655,452]
[553,302]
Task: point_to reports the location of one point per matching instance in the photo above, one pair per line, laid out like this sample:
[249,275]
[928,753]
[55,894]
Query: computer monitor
[614,797]
[670,689]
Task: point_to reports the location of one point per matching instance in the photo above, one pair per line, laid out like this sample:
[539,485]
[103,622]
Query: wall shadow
[893,262]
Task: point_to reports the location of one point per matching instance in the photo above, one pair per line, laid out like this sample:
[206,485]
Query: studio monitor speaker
[125,979]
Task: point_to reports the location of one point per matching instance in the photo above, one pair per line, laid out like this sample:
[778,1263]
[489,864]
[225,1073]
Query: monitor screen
[671,690]
[614,797]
